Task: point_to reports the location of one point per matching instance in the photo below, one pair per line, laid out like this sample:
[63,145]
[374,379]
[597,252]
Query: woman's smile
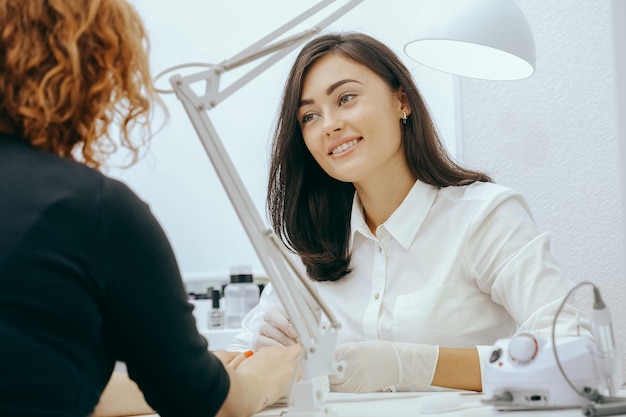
[344,147]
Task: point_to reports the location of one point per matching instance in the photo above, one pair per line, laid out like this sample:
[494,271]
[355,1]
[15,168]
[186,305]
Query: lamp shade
[485,39]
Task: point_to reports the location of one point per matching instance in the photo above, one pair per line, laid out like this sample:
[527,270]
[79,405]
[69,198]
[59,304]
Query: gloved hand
[275,330]
[385,366]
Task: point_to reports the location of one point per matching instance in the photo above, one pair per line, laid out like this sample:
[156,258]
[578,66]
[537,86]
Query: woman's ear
[404,101]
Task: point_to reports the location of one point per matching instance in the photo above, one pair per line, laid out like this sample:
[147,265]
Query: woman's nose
[332,124]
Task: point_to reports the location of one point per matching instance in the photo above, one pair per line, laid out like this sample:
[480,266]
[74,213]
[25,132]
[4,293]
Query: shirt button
[380,249]
[376,296]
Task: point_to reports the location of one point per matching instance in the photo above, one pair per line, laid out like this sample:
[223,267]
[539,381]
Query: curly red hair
[71,70]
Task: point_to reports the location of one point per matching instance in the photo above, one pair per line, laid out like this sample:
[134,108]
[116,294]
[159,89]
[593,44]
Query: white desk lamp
[485,39]
[298,296]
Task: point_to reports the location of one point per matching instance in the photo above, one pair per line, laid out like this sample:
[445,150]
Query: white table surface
[431,404]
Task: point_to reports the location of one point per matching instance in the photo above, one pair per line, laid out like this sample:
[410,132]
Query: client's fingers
[240,358]
[225,356]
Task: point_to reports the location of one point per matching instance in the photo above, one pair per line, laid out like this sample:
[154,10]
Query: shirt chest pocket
[429,316]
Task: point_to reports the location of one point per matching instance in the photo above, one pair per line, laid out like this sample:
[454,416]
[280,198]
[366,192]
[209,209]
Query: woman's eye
[308,117]
[345,98]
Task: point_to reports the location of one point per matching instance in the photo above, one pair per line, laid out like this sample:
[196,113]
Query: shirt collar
[404,222]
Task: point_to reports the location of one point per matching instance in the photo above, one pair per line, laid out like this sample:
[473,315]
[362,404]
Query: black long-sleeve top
[88,277]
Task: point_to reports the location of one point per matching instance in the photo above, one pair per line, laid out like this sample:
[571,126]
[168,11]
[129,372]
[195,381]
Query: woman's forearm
[458,369]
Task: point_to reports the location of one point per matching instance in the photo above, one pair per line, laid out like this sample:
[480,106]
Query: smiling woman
[336,116]
[426,262]
[176,177]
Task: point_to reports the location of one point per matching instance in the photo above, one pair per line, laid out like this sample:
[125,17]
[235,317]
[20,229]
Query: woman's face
[351,121]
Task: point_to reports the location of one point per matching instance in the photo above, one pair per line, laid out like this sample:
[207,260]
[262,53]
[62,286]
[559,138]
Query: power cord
[599,405]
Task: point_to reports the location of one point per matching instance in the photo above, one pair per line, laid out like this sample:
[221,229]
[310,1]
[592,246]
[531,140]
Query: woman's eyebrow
[338,84]
[330,89]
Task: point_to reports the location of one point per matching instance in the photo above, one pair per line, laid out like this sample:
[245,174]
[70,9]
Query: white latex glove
[275,330]
[385,366]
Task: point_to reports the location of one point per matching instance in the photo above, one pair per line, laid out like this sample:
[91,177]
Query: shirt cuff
[484,353]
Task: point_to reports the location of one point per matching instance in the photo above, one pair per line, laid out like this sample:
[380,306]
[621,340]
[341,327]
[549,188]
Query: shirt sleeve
[511,260]
[148,322]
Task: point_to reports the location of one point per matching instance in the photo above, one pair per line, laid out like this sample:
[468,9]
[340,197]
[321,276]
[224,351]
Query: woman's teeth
[344,146]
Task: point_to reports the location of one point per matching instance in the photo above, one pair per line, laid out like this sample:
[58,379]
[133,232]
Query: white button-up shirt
[454,266]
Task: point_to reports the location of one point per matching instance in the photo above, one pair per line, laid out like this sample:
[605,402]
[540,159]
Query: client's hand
[380,365]
[276,367]
[225,356]
[275,330]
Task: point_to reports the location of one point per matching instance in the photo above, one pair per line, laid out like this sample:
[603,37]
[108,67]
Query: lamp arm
[299,297]
[261,43]
[294,40]
[279,50]
[270,254]
[258,49]
[276,51]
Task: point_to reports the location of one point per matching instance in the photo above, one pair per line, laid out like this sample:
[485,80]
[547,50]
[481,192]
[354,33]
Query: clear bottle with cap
[241,295]
[217,316]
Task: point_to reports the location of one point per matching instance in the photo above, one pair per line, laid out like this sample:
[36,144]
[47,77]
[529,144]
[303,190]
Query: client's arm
[255,382]
[260,380]
[121,397]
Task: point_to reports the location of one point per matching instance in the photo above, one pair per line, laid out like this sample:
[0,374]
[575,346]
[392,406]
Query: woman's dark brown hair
[310,210]
[72,70]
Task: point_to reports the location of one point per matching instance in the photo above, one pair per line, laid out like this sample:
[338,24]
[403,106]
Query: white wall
[177,178]
[619,35]
[554,137]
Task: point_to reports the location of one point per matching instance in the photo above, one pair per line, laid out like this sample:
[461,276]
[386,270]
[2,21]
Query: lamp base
[308,399]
